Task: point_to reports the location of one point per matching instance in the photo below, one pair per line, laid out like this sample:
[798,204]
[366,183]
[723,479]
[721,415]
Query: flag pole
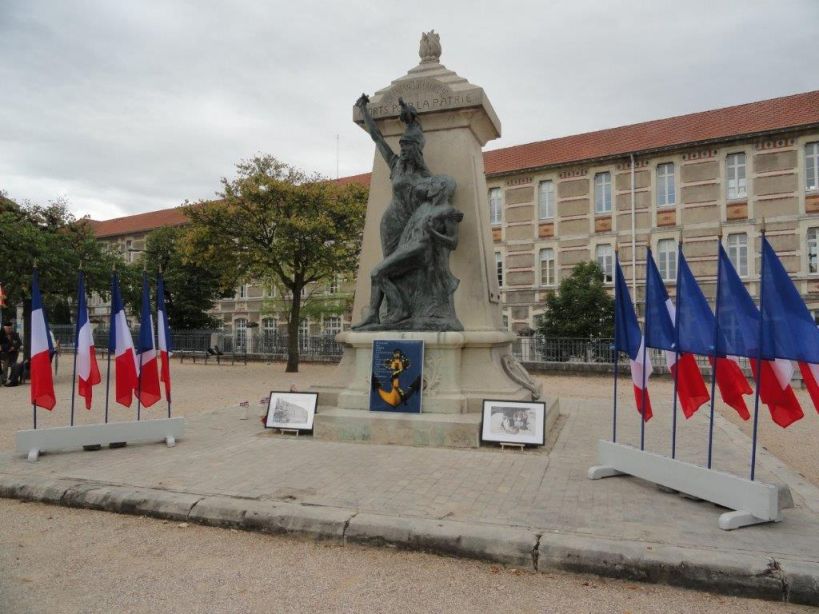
[141,353]
[616,365]
[30,335]
[758,355]
[108,372]
[139,387]
[76,345]
[167,341]
[716,358]
[676,354]
[645,356]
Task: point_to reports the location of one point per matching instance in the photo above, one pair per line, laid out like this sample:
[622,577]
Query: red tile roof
[362,179]
[776,114]
[141,222]
[709,126]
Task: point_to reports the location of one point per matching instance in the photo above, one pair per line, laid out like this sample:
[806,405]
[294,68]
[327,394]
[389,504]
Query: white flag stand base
[754,502]
[35,441]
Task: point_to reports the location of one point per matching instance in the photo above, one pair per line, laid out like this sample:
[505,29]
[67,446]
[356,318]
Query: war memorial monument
[426,271]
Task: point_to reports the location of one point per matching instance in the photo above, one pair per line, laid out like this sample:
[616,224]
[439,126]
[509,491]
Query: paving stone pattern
[541,489]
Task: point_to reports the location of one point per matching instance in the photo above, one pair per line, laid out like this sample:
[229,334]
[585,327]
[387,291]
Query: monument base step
[430,429]
[433,430]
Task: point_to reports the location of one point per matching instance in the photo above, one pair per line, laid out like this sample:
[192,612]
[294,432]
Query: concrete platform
[424,429]
[436,430]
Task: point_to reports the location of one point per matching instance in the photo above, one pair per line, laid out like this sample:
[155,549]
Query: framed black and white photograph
[514,422]
[291,410]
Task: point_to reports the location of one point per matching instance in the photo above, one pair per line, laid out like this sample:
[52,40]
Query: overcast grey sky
[128,106]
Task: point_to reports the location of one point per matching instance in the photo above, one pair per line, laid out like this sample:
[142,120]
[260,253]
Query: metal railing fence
[272,346]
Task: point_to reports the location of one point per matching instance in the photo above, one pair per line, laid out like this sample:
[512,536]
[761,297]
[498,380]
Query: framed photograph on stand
[291,410]
[514,422]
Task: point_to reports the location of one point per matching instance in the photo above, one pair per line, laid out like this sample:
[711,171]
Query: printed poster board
[397,376]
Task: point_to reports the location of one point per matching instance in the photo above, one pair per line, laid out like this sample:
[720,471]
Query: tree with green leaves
[58,242]
[277,225]
[581,307]
[191,289]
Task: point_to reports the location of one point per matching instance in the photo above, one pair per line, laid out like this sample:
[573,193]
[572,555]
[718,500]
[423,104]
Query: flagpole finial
[114,266]
[35,263]
[80,264]
[763,227]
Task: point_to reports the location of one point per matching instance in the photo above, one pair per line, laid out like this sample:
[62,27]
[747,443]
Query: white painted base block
[34,441]
[754,502]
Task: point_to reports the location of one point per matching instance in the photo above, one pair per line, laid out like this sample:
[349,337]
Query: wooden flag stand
[35,441]
[753,502]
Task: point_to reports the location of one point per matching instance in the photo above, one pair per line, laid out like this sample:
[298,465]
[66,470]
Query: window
[602,193]
[738,252]
[505,321]
[666,195]
[604,255]
[304,334]
[735,176]
[333,287]
[270,327]
[499,268]
[332,325]
[667,259]
[241,292]
[495,206]
[240,334]
[813,250]
[812,166]
[547,267]
[546,200]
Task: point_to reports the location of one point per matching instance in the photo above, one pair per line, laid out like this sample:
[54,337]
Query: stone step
[435,430]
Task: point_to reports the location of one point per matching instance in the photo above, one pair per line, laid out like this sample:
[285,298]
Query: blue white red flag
[739,321]
[148,386]
[629,339]
[789,330]
[88,373]
[121,345]
[696,336]
[42,382]
[163,337]
[660,334]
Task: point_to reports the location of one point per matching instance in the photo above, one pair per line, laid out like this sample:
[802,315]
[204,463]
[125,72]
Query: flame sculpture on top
[430,49]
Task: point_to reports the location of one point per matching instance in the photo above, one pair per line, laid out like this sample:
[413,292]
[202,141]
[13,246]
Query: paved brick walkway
[543,489]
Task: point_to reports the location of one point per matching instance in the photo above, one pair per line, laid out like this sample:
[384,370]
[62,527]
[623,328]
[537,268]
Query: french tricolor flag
[122,346]
[661,333]
[163,337]
[148,384]
[88,373]
[629,339]
[42,382]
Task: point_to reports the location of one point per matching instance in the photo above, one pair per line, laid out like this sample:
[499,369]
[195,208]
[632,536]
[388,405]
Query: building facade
[556,203]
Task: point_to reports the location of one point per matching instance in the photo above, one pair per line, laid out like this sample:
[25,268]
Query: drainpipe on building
[633,238]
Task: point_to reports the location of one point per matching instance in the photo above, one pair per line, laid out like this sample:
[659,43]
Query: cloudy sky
[133,105]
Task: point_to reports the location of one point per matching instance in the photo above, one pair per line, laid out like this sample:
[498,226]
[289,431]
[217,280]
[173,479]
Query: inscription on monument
[424,95]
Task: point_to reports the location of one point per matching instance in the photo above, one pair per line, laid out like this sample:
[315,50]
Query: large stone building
[562,201]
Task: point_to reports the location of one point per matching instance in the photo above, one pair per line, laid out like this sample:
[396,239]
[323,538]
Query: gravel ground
[63,560]
[206,387]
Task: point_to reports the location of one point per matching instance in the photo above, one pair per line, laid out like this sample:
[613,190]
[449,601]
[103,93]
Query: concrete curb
[731,573]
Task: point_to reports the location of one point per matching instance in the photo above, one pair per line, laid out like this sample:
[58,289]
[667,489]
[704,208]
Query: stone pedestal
[460,368]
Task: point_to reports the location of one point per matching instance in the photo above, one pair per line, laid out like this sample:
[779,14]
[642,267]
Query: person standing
[10,344]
